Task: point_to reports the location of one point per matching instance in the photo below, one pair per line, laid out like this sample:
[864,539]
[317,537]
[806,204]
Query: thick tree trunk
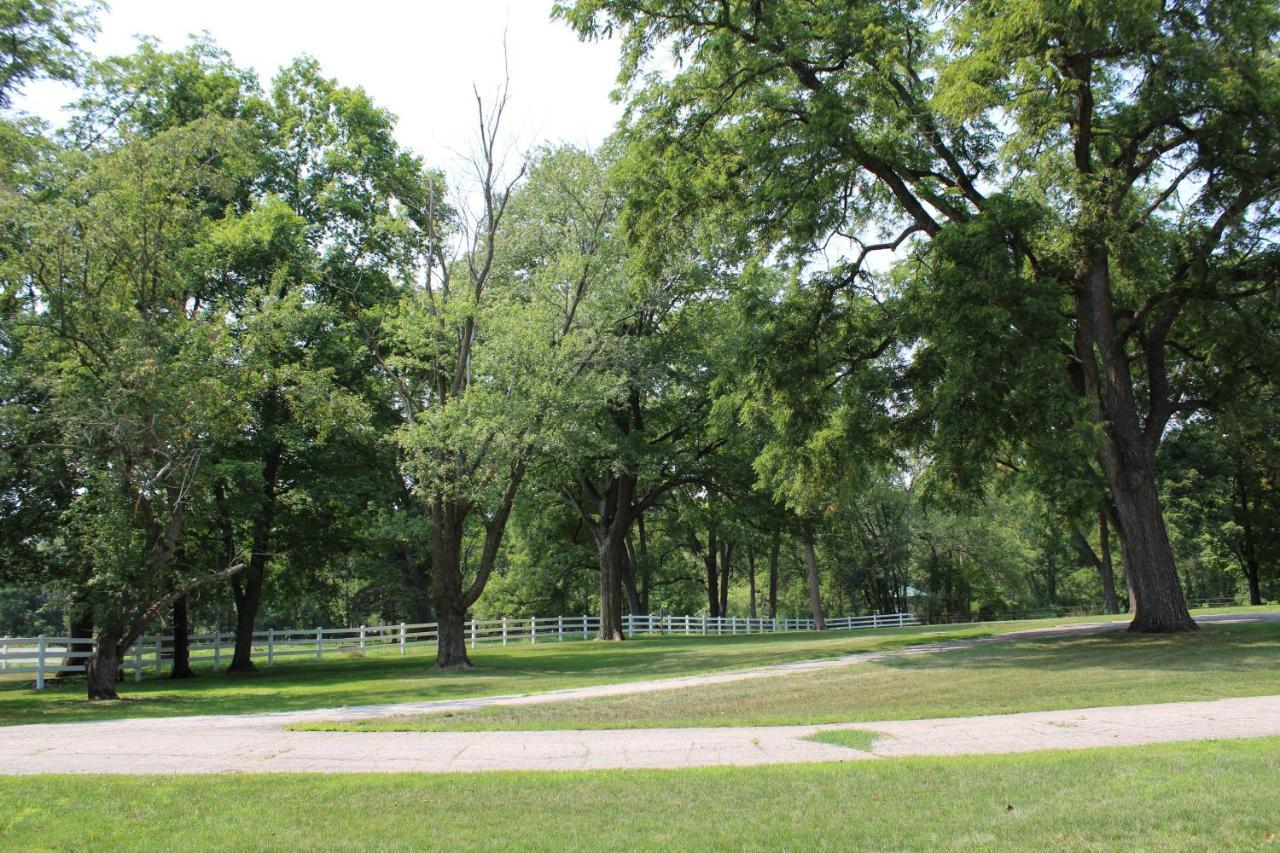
[774,547]
[104,667]
[81,647]
[1128,458]
[815,589]
[181,641]
[1153,578]
[1106,568]
[611,547]
[446,583]
[247,591]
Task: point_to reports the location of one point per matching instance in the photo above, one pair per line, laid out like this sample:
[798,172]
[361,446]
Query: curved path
[259,743]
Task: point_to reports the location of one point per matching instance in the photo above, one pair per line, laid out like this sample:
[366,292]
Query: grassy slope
[1024,675]
[1208,796]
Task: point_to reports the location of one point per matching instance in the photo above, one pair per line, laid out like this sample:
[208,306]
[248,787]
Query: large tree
[1082,193]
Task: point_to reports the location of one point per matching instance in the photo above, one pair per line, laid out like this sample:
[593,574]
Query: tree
[1080,193]
[38,39]
[111,311]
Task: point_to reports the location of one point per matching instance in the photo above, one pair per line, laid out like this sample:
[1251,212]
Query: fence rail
[46,656]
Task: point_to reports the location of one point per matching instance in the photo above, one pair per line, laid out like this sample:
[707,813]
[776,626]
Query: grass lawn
[1208,796]
[381,678]
[1019,675]
[386,677]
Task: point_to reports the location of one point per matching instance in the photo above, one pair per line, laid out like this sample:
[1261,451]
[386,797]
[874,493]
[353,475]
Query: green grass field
[522,668]
[386,678]
[1114,668]
[1197,796]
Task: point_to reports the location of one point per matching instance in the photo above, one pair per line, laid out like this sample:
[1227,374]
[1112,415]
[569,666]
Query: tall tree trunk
[815,589]
[247,588]
[447,527]
[645,570]
[81,647]
[1252,567]
[1128,457]
[629,577]
[726,567]
[181,641]
[774,547]
[611,546]
[104,667]
[710,560]
[751,578]
[1106,569]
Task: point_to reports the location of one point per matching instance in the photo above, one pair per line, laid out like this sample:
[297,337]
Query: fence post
[900,619]
[533,629]
[473,632]
[686,626]
[560,626]
[137,661]
[504,630]
[875,620]
[319,643]
[704,626]
[159,651]
[271,646]
[217,647]
[41,646]
[402,638]
[585,630]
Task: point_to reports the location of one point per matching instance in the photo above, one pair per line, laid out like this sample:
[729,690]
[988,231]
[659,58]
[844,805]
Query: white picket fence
[44,655]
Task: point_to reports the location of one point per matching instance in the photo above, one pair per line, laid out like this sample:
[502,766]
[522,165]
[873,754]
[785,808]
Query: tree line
[861,307]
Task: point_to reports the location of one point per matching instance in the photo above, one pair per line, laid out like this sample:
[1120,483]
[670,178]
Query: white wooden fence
[44,655]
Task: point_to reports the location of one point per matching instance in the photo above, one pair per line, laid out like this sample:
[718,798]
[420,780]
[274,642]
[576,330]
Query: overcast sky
[418,59]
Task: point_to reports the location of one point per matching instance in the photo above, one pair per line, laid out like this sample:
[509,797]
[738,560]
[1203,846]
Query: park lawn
[385,677]
[500,670]
[1114,668]
[1186,796]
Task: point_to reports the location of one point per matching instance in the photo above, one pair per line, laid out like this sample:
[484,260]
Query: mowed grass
[386,678]
[1188,796]
[1113,668]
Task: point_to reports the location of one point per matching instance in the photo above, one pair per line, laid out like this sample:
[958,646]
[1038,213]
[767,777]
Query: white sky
[418,59]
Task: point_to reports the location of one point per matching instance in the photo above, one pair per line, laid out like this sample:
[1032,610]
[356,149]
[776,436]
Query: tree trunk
[774,548]
[815,591]
[710,561]
[726,566]
[645,570]
[104,666]
[1128,457]
[181,641]
[611,546]
[629,579]
[1106,569]
[247,591]
[1252,567]
[81,647]
[1153,578]
[446,580]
